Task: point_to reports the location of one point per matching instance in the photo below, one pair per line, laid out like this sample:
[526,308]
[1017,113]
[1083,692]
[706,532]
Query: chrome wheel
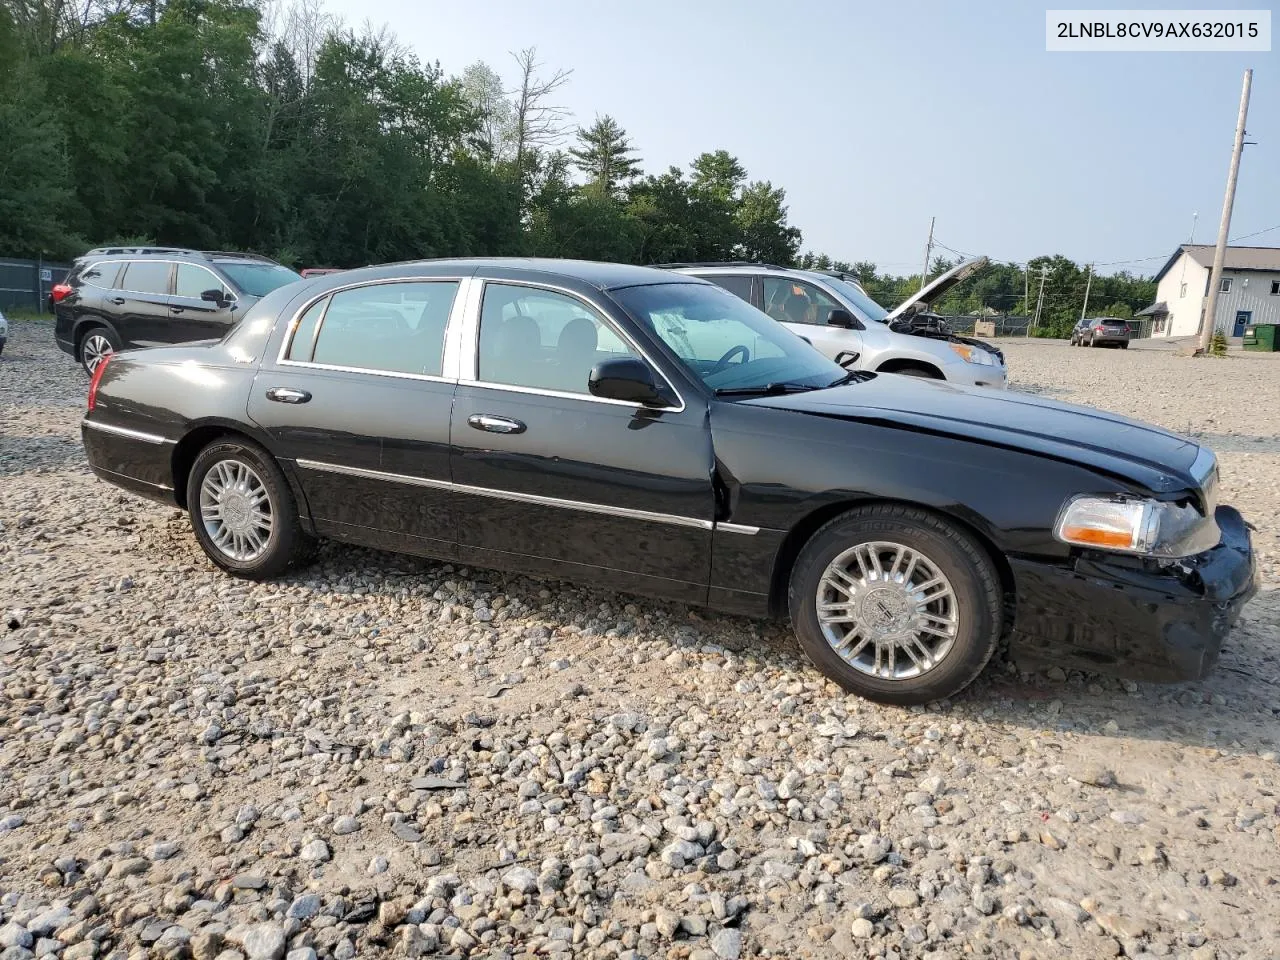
[236,510]
[95,347]
[887,610]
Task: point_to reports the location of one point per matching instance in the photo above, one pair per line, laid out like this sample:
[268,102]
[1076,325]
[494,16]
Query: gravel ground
[386,756]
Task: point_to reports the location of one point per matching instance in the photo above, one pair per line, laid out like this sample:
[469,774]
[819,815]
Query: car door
[803,308]
[552,479]
[355,399]
[140,303]
[190,316]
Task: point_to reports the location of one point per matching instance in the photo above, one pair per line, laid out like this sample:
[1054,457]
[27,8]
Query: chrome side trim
[373,474]
[584,507]
[579,505]
[126,432]
[737,528]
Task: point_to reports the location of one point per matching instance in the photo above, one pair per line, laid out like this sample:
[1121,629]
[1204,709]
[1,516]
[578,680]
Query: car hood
[1116,445]
[940,285]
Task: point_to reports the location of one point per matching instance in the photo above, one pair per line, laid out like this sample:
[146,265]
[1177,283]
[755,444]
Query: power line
[1100,263]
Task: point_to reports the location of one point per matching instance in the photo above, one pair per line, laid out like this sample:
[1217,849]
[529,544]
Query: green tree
[763,233]
[604,156]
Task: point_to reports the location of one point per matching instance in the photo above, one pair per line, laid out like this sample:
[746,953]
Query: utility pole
[1044,272]
[928,251]
[1228,202]
[1088,282]
[1026,288]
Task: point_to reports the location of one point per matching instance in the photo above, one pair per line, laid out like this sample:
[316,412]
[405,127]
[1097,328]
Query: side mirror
[218,297]
[843,318]
[625,378]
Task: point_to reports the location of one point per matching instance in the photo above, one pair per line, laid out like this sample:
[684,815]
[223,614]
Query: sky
[875,117]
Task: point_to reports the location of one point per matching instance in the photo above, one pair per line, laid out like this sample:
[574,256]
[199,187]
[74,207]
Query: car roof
[170,253]
[746,267]
[591,273]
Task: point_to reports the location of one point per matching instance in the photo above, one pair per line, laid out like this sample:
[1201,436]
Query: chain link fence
[999,326]
[25,284]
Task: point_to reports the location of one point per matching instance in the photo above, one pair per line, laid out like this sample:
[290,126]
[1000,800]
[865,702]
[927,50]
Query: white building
[1250,291]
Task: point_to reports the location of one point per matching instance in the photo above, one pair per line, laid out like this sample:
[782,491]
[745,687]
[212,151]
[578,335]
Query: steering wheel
[728,355]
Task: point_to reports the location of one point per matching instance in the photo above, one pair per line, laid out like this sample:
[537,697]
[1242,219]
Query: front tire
[896,604]
[95,344]
[243,513]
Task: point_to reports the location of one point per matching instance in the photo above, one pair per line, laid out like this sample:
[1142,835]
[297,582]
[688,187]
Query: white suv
[834,313]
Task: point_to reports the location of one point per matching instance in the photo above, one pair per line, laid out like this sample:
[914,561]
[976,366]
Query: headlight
[1145,527]
[974,354]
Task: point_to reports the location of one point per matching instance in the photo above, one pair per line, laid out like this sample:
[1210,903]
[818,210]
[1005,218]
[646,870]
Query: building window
[1225,286]
[1159,324]
[1275,288]
[1183,291]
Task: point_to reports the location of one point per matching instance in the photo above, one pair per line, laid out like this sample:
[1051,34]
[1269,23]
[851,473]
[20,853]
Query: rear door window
[737,284]
[146,276]
[383,327]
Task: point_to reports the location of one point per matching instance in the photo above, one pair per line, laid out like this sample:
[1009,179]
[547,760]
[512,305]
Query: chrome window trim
[469,360]
[126,432]
[454,318]
[582,506]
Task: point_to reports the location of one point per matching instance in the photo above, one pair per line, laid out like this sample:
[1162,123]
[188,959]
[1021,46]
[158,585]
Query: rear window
[101,274]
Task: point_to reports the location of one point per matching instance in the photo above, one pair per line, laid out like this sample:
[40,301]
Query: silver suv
[834,313]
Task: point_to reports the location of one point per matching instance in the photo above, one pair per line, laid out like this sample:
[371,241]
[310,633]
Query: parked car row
[651,431]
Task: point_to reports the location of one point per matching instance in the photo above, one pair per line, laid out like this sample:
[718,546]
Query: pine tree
[604,155]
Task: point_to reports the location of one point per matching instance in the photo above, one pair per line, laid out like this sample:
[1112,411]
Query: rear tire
[94,344]
[1124,346]
[920,631]
[243,513]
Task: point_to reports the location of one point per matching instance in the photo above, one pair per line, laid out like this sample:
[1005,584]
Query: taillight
[97,379]
[60,291]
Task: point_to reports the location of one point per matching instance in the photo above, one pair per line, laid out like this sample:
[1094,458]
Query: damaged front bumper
[1159,621]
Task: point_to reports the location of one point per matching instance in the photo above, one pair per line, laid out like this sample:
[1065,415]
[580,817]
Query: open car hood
[937,287]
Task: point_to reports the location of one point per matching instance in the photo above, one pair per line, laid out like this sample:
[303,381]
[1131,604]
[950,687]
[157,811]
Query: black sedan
[655,434]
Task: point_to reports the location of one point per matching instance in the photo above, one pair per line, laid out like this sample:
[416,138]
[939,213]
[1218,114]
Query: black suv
[117,298]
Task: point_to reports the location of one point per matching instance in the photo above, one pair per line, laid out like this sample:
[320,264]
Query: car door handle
[492,424]
[176,309]
[116,300]
[288,395]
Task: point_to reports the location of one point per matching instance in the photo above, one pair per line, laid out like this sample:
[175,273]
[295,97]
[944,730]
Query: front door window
[795,301]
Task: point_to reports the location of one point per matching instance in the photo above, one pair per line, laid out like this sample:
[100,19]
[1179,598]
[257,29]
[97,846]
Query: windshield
[726,342]
[855,295]
[258,279]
